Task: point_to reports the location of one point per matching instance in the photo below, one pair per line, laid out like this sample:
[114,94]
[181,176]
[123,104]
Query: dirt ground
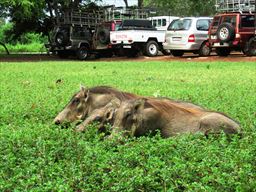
[234,57]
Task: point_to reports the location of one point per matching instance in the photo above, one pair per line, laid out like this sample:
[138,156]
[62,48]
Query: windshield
[180,24]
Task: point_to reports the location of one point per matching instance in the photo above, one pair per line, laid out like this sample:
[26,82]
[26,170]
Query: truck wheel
[222,51]
[250,49]
[177,53]
[204,50]
[82,53]
[226,32]
[151,48]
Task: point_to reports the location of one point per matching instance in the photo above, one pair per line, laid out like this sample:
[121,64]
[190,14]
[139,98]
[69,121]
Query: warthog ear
[82,87]
[85,92]
[139,104]
[87,95]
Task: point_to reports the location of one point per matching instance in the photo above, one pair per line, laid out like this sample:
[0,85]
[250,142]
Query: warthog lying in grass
[106,114]
[138,117]
[85,101]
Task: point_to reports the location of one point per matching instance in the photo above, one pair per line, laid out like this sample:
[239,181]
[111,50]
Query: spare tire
[61,38]
[226,32]
[103,36]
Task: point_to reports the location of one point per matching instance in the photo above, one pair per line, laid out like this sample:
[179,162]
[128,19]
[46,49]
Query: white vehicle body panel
[136,36]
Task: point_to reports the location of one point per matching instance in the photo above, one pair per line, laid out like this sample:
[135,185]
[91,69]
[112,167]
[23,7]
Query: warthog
[138,117]
[103,116]
[85,101]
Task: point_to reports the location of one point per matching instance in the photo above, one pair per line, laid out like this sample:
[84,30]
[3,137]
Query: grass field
[36,155]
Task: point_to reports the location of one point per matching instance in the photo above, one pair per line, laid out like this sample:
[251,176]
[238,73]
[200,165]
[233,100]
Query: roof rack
[83,18]
[126,13]
[235,5]
[91,18]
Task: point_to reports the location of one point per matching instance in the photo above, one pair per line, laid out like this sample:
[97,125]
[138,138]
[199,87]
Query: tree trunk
[5,48]
[126,3]
[140,3]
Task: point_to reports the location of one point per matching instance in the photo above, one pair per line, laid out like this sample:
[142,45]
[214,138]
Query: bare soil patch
[234,57]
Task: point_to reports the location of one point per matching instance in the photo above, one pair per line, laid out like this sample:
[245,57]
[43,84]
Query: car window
[247,20]
[215,22]
[229,19]
[79,32]
[163,22]
[159,22]
[154,23]
[180,24]
[203,24]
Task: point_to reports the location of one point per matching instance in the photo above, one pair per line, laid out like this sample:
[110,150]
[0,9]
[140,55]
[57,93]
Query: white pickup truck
[138,35]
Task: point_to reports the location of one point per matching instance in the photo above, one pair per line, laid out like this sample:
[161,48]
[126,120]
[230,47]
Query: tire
[250,49]
[226,32]
[151,49]
[204,50]
[63,54]
[223,52]
[103,36]
[61,38]
[82,53]
[177,53]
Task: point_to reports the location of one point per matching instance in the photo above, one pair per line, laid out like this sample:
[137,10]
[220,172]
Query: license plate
[127,46]
[220,44]
[176,38]
[213,37]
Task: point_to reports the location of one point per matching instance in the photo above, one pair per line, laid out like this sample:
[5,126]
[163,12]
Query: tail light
[113,26]
[191,38]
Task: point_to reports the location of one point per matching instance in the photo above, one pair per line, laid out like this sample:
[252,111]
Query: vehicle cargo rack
[92,18]
[83,18]
[126,13]
[235,5]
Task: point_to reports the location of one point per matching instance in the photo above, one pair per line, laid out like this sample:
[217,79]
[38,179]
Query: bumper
[186,47]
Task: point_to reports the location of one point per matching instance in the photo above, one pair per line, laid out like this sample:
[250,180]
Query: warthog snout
[56,121]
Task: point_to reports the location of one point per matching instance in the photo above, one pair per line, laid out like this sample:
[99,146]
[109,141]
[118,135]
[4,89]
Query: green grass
[36,155]
[31,47]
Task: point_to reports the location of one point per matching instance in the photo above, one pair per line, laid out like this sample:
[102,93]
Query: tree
[183,7]
[29,15]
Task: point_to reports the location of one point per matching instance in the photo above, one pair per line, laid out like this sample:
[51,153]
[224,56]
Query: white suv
[188,34]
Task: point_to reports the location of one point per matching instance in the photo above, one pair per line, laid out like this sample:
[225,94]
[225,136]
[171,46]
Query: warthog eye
[76,101]
[98,118]
[128,113]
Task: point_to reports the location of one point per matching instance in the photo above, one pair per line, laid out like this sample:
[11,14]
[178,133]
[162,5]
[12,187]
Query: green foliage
[36,155]
[28,42]
[183,7]
[4,37]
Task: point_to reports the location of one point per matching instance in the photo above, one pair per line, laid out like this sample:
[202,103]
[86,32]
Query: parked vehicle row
[227,31]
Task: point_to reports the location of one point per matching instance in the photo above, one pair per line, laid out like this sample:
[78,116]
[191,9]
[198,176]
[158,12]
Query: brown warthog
[138,117]
[102,116]
[86,100]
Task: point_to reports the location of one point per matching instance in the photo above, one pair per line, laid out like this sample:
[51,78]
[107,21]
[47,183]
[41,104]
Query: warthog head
[102,116]
[128,117]
[76,109]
